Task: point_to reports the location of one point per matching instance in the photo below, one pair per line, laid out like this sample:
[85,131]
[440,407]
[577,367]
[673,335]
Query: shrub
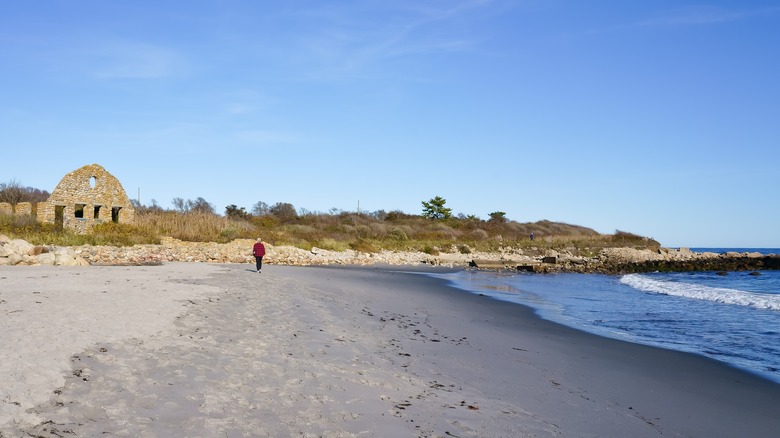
[302,230]
[229,233]
[111,233]
[266,221]
[445,231]
[332,245]
[378,229]
[431,250]
[397,216]
[479,234]
[363,245]
[398,234]
[363,231]
[622,238]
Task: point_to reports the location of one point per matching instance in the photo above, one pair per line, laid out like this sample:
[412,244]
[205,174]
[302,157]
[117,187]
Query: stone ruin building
[85,197]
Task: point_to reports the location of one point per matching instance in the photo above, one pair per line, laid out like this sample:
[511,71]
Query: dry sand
[196,350]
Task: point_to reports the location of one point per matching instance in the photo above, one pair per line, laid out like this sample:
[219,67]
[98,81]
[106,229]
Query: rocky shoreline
[609,260]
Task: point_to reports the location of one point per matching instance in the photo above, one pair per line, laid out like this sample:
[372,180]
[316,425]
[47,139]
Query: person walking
[258,250]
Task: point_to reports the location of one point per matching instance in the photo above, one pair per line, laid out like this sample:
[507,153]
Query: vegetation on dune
[27,228]
[436,230]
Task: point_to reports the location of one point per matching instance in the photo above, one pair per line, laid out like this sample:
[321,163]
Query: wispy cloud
[132,60]
[688,16]
[246,101]
[263,137]
[703,15]
[239,108]
[347,40]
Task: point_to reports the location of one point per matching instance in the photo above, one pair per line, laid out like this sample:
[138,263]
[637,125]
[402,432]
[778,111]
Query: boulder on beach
[20,252]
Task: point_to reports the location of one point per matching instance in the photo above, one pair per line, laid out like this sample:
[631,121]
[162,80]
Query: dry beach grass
[362,232]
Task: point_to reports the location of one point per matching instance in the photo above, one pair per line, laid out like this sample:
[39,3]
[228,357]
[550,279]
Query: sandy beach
[217,350]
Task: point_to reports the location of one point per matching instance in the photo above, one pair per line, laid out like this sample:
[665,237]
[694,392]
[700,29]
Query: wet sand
[220,351]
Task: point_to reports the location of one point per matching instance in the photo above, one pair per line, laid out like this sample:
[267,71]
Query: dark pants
[259,262]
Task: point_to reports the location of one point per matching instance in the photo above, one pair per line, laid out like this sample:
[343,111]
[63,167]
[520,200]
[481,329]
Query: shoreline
[611,260]
[672,392]
[345,351]
[534,292]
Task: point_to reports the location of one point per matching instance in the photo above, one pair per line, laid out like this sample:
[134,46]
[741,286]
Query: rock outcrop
[240,251]
[629,260]
[21,252]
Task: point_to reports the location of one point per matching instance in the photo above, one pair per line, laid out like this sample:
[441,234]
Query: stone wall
[86,197]
[22,208]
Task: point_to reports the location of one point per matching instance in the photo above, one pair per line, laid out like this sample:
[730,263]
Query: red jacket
[259,249]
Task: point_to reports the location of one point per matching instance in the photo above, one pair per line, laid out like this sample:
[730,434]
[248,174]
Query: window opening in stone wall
[97,212]
[115,214]
[59,215]
[79,211]
[92,181]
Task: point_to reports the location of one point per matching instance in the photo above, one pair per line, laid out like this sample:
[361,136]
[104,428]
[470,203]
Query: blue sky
[657,117]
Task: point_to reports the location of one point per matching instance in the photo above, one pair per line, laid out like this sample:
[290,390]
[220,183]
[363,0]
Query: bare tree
[141,208]
[181,205]
[13,193]
[200,205]
[261,209]
[284,211]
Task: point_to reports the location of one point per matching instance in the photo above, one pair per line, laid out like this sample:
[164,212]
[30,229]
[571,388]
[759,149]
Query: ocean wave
[699,292]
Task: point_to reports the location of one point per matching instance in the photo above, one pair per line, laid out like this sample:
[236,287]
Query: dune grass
[37,233]
[336,232]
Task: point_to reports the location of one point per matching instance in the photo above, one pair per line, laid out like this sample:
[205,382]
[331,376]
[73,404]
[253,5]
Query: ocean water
[733,318]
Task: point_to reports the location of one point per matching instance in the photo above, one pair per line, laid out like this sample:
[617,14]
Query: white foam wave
[699,292]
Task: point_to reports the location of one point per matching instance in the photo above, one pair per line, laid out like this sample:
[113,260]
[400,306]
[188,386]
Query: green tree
[498,216]
[234,212]
[435,209]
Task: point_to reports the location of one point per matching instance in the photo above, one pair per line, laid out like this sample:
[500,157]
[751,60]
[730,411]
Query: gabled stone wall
[83,198]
